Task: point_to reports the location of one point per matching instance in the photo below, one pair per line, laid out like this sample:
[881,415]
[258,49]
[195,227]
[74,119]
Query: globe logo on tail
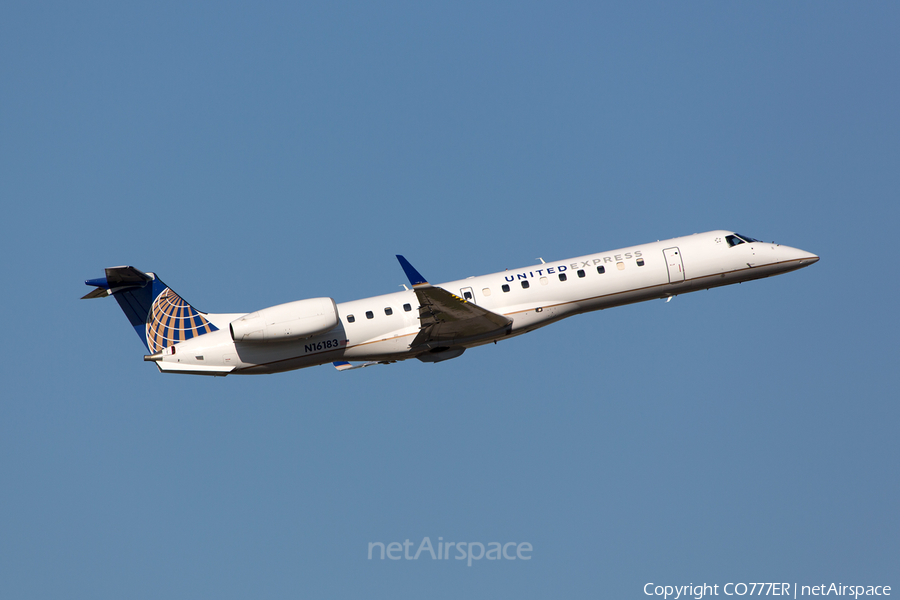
[172,320]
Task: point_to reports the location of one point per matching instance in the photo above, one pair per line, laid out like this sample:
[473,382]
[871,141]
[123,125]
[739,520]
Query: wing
[343,365]
[446,319]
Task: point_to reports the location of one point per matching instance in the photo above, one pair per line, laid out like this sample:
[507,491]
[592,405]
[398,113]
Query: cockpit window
[734,240]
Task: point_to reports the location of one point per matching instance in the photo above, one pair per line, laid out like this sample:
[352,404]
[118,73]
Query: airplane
[431,323]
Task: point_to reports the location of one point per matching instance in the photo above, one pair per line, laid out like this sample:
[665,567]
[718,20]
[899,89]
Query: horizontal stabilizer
[100,292]
[117,279]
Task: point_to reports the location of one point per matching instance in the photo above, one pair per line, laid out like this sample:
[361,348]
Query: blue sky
[257,154]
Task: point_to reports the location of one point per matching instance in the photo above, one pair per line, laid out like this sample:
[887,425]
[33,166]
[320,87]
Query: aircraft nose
[805,258]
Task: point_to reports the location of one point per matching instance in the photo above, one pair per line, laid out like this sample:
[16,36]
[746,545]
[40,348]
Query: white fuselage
[381,328]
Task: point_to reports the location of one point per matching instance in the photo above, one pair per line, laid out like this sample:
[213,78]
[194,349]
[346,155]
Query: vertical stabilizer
[160,317]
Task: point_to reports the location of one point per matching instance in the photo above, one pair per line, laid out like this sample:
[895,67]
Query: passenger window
[486,292]
[620,266]
[370,314]
[544,281]
[601,269]
[562,277]
[407,307]
[525,284]
[351,319]
[388,310]
[581,272]
[505,288]
[640,262]
[467,295]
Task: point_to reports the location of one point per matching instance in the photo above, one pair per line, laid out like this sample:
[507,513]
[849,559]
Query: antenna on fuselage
[542,260]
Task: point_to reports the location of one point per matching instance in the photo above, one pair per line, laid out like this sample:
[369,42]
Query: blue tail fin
[160,317]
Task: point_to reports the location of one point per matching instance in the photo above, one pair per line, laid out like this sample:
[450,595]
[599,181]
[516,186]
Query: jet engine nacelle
[291,321]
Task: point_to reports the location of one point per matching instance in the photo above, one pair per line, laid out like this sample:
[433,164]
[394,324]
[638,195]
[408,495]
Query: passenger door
[674,264]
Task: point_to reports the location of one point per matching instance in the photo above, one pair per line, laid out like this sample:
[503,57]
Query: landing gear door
[468,295]
[674,264]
